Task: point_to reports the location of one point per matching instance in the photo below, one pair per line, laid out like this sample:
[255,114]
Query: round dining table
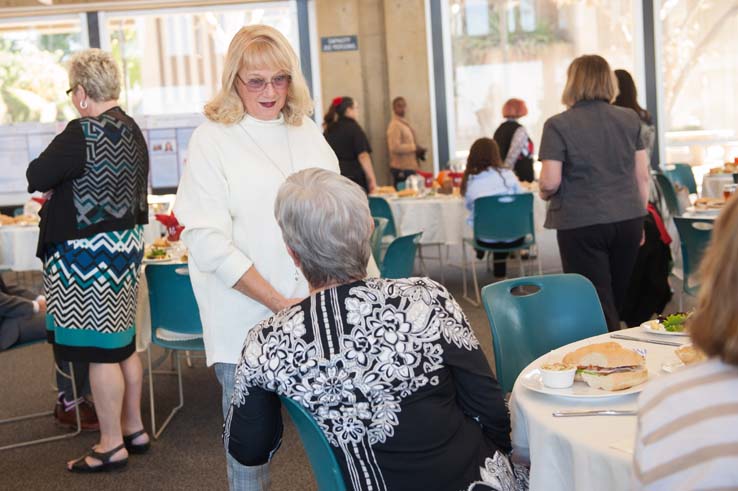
[583,452]
[18,248]
[712,184]
[443,218]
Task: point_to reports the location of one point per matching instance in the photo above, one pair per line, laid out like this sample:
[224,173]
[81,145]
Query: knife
[596,412]
[642,340]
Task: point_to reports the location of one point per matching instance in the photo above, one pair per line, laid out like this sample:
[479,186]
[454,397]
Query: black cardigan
[98,171]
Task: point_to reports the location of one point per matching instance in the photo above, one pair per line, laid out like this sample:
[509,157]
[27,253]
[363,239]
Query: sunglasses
[279,82]
[70,90]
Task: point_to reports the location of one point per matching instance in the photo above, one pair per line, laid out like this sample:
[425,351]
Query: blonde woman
[688,422]
[258,133]
[595,176]
[96,172]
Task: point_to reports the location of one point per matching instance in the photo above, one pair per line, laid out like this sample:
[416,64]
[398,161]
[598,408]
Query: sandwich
[608,366]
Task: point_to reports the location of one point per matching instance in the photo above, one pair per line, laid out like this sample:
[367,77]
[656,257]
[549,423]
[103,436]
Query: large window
[172,60]
[33,77]
[504,48]
[699,50]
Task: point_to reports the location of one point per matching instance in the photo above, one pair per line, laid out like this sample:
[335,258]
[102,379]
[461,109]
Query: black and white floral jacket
[394,376]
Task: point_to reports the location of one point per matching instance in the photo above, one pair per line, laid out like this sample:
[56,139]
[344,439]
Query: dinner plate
[648,327]
[157,259]
[704,211]
[531,379]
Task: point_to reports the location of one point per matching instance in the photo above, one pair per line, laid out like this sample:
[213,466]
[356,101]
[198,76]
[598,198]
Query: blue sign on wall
[339,43]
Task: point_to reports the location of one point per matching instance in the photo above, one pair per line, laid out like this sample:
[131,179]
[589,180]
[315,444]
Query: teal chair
[499,218]
[694,235]
[322,459]
[533,315]
[174,308]
[681,174]
[380,208]
[399,260]
[376,239]
[26,417]
[668,193]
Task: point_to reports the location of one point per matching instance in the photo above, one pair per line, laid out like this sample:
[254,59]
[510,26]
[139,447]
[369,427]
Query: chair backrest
[533,315]
[694,235]
[322,459]
[681,174]
[399,259]
[669,193]
[379,207]
[503,217]
[376,239]
[172,301]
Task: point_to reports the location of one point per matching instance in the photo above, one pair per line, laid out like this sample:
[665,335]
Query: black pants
[399,175]
[499,265]
[605,254]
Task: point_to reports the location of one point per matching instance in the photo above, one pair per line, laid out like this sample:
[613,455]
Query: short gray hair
[325,220]
[96,71]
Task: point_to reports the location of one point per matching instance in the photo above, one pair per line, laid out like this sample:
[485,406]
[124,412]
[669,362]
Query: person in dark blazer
[23,319]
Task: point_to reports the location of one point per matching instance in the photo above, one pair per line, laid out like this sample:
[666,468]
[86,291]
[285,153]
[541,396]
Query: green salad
[674,322]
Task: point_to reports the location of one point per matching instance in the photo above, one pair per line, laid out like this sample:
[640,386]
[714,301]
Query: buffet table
[588,452]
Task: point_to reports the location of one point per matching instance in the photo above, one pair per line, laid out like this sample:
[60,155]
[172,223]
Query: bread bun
[689,354]
[605,355]
[617,380]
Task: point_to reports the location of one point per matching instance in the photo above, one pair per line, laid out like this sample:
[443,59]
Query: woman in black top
[628,97]
[349,141]
[91,242]
[515,145]
[390,369]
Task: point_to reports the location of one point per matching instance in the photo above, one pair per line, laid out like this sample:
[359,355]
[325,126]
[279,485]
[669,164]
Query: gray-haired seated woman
[390,369]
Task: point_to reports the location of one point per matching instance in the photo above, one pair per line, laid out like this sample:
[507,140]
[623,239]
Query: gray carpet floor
[189,454]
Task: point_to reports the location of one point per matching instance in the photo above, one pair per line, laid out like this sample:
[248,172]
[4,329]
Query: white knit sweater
[226,202]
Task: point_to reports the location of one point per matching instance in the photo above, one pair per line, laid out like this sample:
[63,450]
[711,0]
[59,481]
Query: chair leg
[179,406]
[538,258]
[520,262]
[443,265]
[189,360]
[463,270]
[74,433]
[151,393]
[476,283]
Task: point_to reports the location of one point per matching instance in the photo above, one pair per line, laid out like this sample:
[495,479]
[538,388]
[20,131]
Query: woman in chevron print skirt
[95,175]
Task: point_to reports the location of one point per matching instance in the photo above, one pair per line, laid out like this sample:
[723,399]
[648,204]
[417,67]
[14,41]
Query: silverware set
[595,412]
[644,340]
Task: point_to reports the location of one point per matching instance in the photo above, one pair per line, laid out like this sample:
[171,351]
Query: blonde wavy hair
[96,71]
[714,325]
[589,78]
[255,48]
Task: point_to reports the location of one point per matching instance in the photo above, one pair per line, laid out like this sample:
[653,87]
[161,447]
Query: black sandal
[80,465]
[136,448]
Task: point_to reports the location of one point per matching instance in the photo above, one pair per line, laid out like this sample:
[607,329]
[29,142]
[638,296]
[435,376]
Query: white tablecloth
[442,219]
[18,248]
[712,185]
[570,454]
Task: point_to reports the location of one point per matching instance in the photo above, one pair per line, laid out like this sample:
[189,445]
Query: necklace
[276,166]
[271,161]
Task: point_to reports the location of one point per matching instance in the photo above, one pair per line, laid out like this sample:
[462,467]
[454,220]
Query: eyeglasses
[279,82]
[71,89]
